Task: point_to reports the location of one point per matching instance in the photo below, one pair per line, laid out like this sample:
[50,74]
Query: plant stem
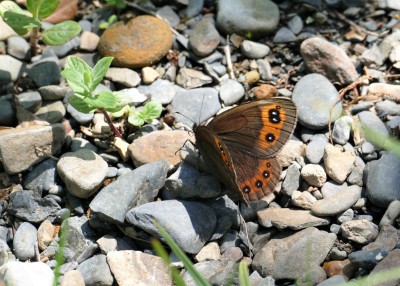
[109,122]
[34,41]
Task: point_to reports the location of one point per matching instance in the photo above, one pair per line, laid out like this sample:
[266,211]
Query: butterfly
[240,145]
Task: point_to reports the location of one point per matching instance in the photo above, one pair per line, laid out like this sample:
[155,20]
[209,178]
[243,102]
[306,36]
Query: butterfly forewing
[260,128]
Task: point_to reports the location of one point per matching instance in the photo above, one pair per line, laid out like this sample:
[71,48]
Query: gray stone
[383,180]
[190,224]
[24,242]
[53,92]
[42,177]
[314,95]
[95,271]
[45,73]
[7,110]
[252,19]
[51,111]
[134,188]
[231,91]
[19,48]
[161,90]
[341,130]
[391,214]
[34,273]
[10,68]
[30,100]
[19,147]
[204,37]
[291,182]
[82,171]
[254,50]
[284,35]
[215,271]
[360,231]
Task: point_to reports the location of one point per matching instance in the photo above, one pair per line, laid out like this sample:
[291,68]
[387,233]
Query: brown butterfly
[241,144]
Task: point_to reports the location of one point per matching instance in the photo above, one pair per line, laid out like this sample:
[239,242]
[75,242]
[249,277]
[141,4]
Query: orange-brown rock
[337,267]
[140,42]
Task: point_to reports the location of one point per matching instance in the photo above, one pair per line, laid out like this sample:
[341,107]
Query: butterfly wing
[217,158]
[260,128]
[255,177]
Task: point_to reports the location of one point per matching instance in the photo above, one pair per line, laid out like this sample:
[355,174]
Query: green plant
[151,110]
[119,5]
[111,20]
[16,18]
[83,80]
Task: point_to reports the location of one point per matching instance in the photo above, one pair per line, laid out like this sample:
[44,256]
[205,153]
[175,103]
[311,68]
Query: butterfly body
[241,143]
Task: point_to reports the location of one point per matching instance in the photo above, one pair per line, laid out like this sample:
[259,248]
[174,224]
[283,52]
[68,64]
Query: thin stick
[229,65]
[109,122]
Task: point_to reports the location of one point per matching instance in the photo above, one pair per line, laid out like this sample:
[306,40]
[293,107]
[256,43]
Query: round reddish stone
[140,42]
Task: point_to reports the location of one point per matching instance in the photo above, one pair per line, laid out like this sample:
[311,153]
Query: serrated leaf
[75,80]
[123,97]
[73,62]
[80,105]
[20,22]
[100,70]
[87,80]
[106,99]
[151,110]
[135,119]
[10,6]
[61,33]
[42,8]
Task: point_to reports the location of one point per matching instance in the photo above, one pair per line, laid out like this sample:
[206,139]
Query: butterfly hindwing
[260,128]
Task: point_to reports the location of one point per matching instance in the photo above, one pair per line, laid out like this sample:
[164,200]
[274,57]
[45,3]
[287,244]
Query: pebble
[124,76]
[24,241]
[391,214]
[264,69]
[356,175]
[314,175]
[175,216]
[191,78]
[214,271]
[389,90]
[329,60]
[291,182]
[316,148]
[82,171]
[382,181]
[291,151]
[80,143]
[131,267]
[37,273]
[63,50]
[386,239]
[254,50]
[5,30]
[53,92]
[89,41]
[51,111]
[158,145]
[303,200]
[289,264]
[187,183]
[289,218]
[142,41]
[195,105]
[252,19]
[372,121]
[314,106]
[284,35]
[341,130]
[42,177]
[204,37]
[30,206]
[45,234]
[136,187]
[337,203]
[169,15]
[338,164]
[45,73]
[19,48]
[149,75]
[333,280]
[360,231]
[80,117]
[296,24]
[343,268]
[387,107]
[367,259]
[72,278]
[161,90]
[231,92]
[12,66]
[390,262]
[210,251]
[25,141]
[95,271]
[347,215]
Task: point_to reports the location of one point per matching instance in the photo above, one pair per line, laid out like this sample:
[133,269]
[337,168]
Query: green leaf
[105,99]
[73,62]
[10,6]
[120,112]
[61,33]
[244,274]
[100,70]
[79,104]
[123,97]
[75,80]
[20,22]
[135,119]
[382,141]
[42,8]
[151,110]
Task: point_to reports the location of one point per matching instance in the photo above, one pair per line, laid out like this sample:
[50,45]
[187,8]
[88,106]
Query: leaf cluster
[20,22]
